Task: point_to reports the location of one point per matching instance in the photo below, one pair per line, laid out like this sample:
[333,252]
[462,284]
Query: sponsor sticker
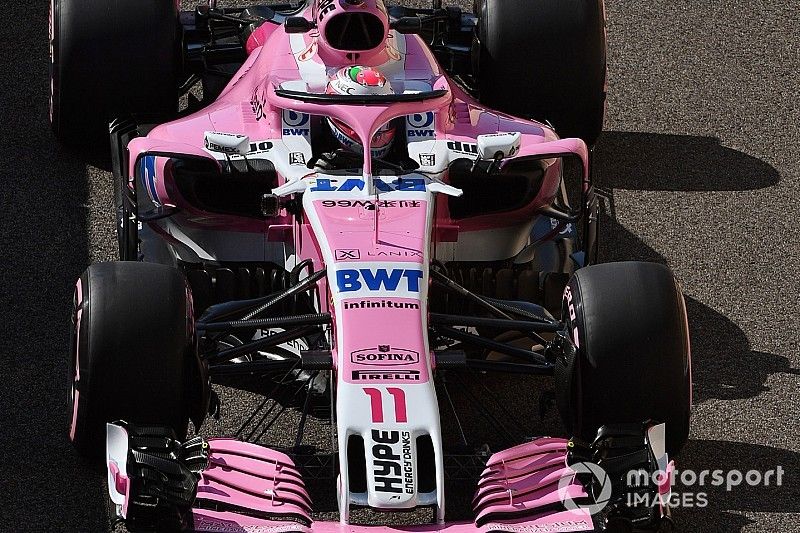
[344,255]
[295,124]
[259,147]
[258,103]
[384,355]
[149,178]
[427,160]
[458,147]
[325,7]
[421,126]
[379,304]
[393,462]
[421,120]
[376,280]
[370,205]
[385,375]
[297,159]
[353,184]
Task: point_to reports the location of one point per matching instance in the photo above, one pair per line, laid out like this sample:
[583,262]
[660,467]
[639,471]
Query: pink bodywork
[383,235]
[249,105]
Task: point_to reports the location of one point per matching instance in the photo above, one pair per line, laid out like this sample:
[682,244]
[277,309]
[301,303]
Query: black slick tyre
[132,351]
[111,58]
[546,60]
[632,361]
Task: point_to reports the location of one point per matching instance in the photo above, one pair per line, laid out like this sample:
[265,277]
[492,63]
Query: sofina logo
[384,356]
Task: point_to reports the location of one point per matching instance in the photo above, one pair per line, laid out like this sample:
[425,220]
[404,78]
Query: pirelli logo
[386,375]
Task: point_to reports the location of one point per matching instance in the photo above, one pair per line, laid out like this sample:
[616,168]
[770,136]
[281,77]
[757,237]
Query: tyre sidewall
[112,59]
[633,360]
[552,68]
[135,351]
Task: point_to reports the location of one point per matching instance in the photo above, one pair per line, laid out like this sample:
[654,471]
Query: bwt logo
[421,120]
[352,184]
[295,123]
[293,119]
[373,280]
[421,125]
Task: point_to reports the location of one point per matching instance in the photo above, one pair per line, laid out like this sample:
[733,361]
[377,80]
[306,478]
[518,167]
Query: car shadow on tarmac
[45,485]
[724,503]
[655,162]
[725,367]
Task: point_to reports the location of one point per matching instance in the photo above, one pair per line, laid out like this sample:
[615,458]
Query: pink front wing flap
[260,490]
[256,480]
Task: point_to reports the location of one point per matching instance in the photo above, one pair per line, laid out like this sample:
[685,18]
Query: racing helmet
[359,80]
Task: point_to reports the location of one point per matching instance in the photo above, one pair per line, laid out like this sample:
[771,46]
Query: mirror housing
[298,25]
[407,25]
[227,143]
[497,146]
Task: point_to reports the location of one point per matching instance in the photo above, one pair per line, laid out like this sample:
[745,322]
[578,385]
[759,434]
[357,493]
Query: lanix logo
[379,279]
[384,355]
[352,184]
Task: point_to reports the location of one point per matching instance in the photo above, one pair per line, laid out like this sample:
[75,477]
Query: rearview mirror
[298,25]
[498,145]
[227,143]
[407,25]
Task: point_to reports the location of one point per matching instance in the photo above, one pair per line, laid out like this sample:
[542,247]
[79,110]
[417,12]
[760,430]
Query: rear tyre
[110,58]
[632,363]
[544,59]
[132,351]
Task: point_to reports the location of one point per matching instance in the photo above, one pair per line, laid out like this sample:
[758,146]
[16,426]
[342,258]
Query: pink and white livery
[354,212]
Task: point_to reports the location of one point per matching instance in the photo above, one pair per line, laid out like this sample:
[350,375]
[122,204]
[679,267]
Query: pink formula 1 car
[354,215]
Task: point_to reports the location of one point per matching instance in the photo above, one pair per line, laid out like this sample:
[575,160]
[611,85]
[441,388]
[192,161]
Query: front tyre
[632,361]
[132,351]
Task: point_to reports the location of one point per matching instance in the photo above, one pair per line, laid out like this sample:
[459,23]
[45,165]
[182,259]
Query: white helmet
[361,81]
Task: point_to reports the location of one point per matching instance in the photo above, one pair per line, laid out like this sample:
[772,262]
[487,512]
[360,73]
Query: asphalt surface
[701,169]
